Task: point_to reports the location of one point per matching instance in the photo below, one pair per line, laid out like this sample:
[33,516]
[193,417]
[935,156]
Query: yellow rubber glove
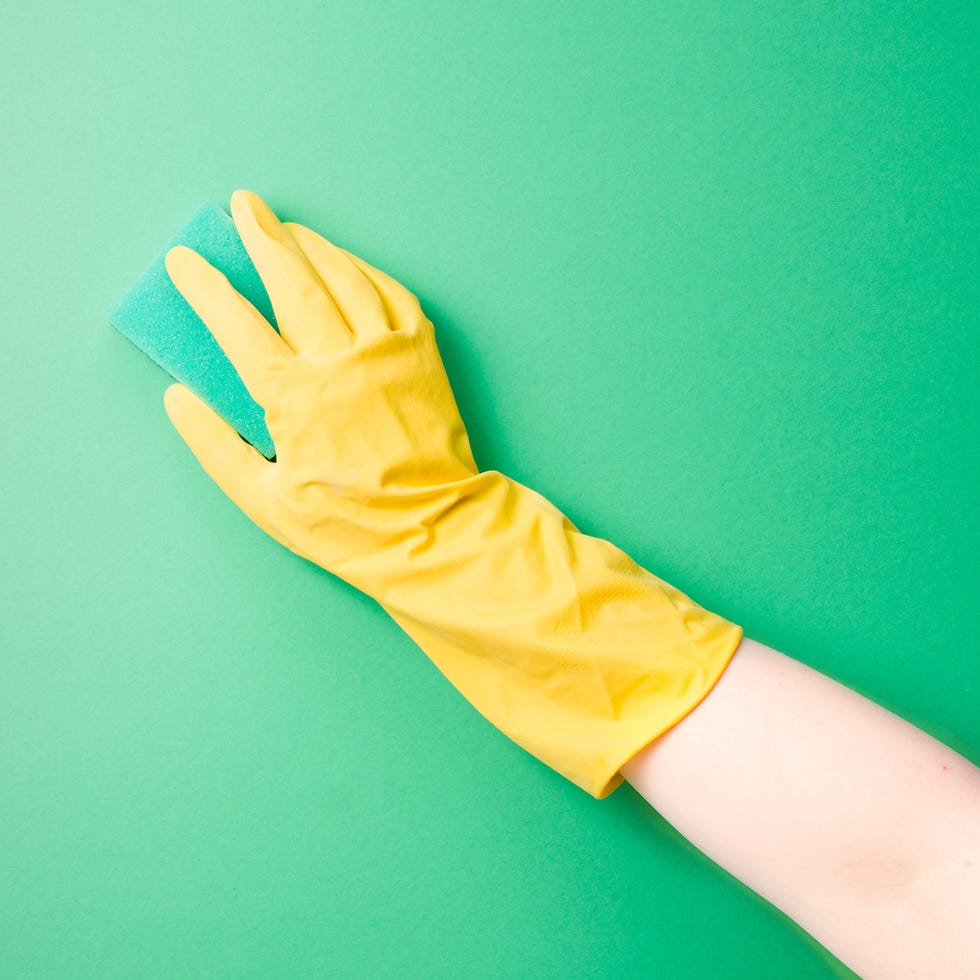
[558,638]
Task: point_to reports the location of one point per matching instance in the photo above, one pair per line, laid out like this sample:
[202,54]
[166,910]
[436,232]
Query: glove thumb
[241,471]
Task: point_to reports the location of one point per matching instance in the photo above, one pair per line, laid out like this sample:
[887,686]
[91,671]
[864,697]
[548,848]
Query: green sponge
[160,322]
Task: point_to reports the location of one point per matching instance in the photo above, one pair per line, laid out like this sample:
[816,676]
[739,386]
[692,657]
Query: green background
[702,273]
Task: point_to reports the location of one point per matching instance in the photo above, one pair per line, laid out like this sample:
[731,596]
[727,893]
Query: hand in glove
[558,638]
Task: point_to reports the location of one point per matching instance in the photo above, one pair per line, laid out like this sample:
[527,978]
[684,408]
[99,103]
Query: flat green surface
[703,274]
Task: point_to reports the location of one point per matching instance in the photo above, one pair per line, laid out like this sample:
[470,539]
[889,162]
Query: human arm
[859,826]
[557,637]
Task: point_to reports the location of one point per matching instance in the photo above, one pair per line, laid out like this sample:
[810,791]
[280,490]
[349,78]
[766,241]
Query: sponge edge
[160,322]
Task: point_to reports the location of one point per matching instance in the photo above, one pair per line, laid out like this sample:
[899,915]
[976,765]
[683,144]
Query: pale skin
[858,825]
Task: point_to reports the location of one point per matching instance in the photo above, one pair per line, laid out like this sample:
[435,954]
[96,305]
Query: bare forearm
[859,826]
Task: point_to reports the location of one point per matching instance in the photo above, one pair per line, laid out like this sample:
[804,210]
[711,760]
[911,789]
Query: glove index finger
[254,348]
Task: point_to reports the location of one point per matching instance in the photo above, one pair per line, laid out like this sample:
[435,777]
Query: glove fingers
[404,309]
[239,470]
[352,291]
[307,316]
